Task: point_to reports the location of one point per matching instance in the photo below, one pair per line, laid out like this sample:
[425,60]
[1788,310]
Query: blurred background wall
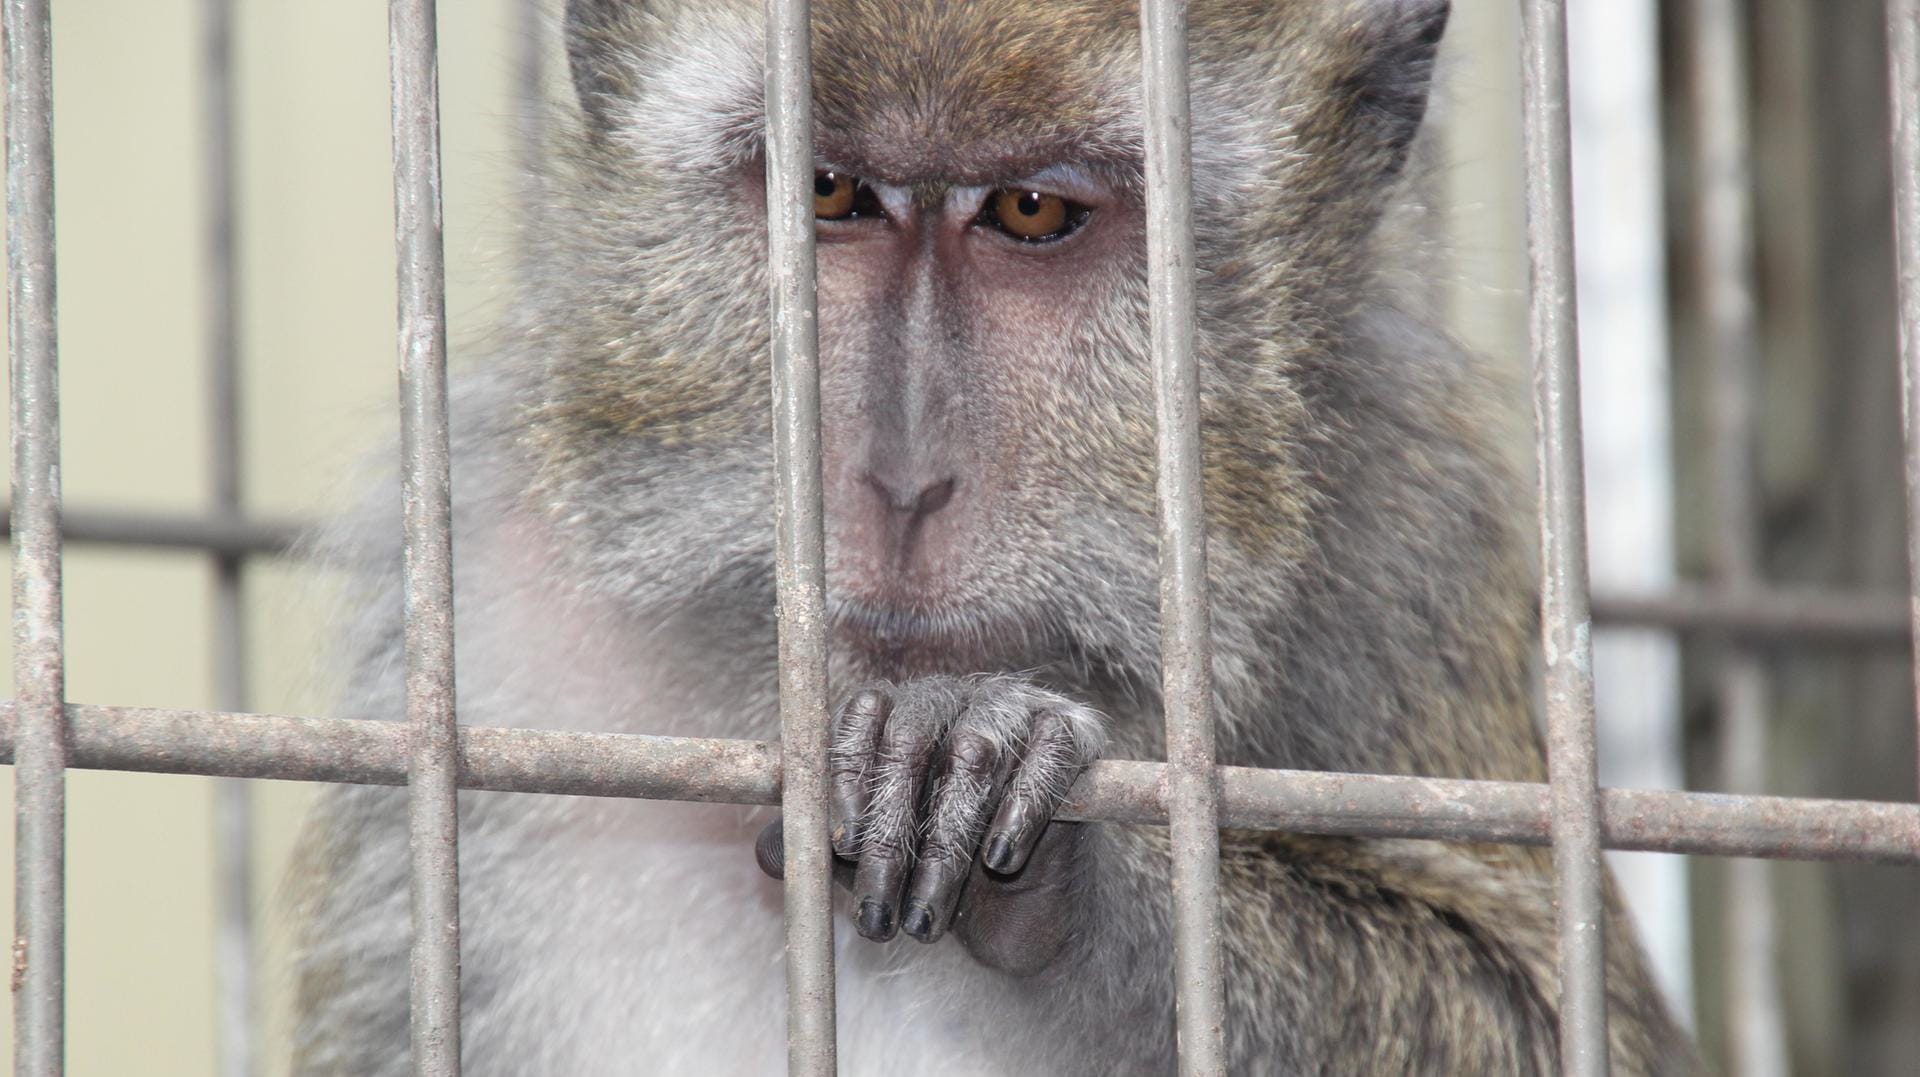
[317,341]
[1830,508]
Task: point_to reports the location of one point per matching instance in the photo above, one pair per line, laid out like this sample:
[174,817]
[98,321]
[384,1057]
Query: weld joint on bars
[635,766]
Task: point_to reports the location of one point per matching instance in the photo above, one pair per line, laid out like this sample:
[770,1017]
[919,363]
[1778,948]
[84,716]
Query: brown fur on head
[1013,381]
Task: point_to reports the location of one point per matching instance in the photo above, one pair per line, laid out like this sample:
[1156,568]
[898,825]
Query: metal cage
[430,754]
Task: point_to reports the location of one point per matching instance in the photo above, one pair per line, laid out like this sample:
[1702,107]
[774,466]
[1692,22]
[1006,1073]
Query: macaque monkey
[992,583]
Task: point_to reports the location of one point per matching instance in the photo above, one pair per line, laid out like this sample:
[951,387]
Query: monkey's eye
[839,197]
[1033,216]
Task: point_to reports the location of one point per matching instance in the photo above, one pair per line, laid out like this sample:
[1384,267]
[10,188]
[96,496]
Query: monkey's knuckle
[866,703]
[894,764]
[907,735]
[940,849]
[973,752]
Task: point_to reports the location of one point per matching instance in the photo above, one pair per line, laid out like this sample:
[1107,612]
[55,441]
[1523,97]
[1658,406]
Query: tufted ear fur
[598,33]
[1394,43]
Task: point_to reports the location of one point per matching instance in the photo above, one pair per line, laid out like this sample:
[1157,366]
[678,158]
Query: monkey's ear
[1396,42]
[599,37]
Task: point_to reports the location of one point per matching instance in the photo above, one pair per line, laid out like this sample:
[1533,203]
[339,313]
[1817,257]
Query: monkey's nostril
[911,497]
[934,498]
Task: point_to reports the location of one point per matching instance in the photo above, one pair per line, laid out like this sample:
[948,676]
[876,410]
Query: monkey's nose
[910,496]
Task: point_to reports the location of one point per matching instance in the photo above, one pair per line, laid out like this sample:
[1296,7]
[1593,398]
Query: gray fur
[1372,599]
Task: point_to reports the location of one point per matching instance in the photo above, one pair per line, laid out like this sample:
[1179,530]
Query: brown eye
[1033,216]
[833,195]
[840,197]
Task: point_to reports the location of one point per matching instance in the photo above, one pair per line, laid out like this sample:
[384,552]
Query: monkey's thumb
[770,850]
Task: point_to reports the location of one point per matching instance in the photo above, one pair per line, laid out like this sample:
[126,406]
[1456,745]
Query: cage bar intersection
[44,734]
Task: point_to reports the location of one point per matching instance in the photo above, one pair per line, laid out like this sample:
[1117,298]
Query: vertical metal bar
[1186,650]
[39,675]
[1903,43]
[1756,1019]
[232,807]
[1566,624]
[1722,210]
[799,540]
[427,494]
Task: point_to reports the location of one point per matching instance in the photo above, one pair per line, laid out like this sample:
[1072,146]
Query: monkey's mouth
[919,640]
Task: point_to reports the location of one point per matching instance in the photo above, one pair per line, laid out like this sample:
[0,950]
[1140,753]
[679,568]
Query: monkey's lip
[888,623]
[921,637]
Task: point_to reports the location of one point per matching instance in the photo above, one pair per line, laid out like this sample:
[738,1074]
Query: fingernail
[842,841]
[918,921]
[876,920]
[999,853]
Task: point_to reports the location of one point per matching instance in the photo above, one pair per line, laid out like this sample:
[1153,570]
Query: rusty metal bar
[426,490]
[1186,650]
[1566,623]
[232,805]
[1903,46]
[39,665]
[799,543]
[1723,271]
[539,761]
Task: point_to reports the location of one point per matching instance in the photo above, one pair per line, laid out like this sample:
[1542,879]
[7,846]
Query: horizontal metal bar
[232,536]
[1775,615]
[748,772]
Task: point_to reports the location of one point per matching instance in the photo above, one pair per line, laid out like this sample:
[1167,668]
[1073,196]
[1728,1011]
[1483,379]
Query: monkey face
[986,369]
[953,355]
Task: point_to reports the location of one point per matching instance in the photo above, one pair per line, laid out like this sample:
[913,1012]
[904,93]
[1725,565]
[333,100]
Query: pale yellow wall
[318,340]
[1479,187]
[317,260]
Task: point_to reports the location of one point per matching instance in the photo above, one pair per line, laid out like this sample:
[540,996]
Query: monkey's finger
[856,735]
[957,814]
[896,780]
[770,853]
[1054,756]
[770,849]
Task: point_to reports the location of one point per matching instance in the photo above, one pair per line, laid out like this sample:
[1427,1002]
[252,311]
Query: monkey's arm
[1343,955]
[1411,957]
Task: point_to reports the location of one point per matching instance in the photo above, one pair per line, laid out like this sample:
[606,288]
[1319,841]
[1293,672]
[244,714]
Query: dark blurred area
[1832,513]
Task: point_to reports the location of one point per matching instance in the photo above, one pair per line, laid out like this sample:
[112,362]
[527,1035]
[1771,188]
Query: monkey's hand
[942,790]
